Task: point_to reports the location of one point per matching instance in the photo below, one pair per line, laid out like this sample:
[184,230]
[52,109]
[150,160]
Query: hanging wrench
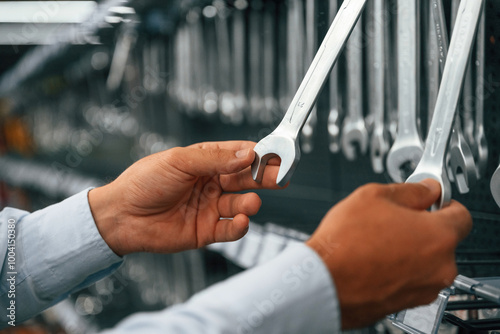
[282,141]
[407,150]
[268,65]
[227,103]
[255,63]
[432,64]
[307,138]
[354,134]
[239,52]
[480,150]
[379,144]
[495,185]
[432,163]
[334,117]
[461,167]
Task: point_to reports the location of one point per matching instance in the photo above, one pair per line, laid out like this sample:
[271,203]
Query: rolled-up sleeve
[58,250]
[292,293]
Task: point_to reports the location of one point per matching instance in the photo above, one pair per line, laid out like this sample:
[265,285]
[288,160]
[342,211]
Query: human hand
[385,252]
[182,198]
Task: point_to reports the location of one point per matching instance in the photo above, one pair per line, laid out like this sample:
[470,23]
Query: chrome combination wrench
[334,117]
[379,144]
[354,136]
[307,135]
[460,162]
[408,148]
[283,141]
[480,149]
[432,163]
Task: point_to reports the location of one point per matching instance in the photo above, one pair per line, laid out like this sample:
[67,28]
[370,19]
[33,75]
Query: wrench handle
[408,76]
[453,76]
[441,31]
[325,58]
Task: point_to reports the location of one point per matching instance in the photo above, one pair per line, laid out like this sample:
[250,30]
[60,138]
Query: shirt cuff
[63,248]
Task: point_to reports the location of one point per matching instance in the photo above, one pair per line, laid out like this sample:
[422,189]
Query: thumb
[418,196]
[212,161]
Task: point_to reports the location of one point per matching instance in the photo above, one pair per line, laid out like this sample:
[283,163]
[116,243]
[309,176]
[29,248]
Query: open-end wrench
[407,149]
[379,145]
[432,163]
[432,62]
[334,117]
[495,185]
[354,137]
[480,149]
[461,167]
[282,142]
[307,135]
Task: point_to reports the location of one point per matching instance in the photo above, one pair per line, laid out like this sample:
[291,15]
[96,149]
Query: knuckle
[371,190]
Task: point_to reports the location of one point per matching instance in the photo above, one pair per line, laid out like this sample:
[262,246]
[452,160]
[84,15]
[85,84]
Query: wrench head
[354,139]
[378,150]
[422,173]
[463,167]
[402,159]
[481,153]
[276,146]
[495,186]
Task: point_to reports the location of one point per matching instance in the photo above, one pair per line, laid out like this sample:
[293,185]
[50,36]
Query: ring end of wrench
[445,198]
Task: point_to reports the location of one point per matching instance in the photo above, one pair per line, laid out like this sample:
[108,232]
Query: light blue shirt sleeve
[293,293]
[48,254]
[58,250]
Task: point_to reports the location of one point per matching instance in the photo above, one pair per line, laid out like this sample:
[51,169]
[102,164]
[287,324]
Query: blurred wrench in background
[282,141]
[239,53]
[307,138]
[432,163]
[480,148]
[461,166]
[334,117]
[271,106]
[227,103]
[354,139]
[407,149]
[376,72]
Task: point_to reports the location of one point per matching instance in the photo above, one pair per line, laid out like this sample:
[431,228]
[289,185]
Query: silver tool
[239,52]
[379,144]
[334,117]
[432,163]
[268,58]
[354,134]
[495,185]
[433,69]
[255,74]
[282,141]
[227,101]
[460,162]
[480,149]
[307,137]
[407,149]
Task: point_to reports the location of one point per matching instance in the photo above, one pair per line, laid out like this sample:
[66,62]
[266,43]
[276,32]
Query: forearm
[58,250]
[292,293]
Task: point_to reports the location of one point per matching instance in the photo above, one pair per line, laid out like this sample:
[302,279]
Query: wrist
[106,216]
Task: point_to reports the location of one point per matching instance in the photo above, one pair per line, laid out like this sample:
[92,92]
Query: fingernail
[242,153]
[431,184]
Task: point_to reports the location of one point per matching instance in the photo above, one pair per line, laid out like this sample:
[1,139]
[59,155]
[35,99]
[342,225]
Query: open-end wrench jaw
[354,133]
[463,167]
[272,146]
[423,172]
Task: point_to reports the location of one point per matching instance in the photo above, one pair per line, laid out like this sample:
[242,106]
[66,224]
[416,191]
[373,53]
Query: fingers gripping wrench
[432,163]
[282,141]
